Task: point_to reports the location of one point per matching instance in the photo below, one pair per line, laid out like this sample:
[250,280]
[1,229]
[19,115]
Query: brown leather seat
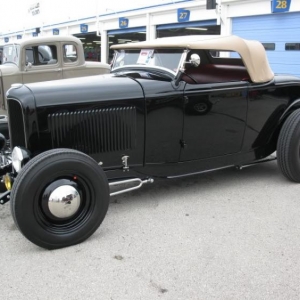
[211,73]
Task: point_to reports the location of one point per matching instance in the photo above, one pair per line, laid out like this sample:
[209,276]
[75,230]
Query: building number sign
[123,22]
[183,15]
[280,5]
[84,28]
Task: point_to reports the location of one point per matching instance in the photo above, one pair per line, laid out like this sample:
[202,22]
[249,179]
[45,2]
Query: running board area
[139,182]
[5,197]
[267,159]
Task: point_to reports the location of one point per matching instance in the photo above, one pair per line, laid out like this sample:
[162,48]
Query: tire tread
[286,136]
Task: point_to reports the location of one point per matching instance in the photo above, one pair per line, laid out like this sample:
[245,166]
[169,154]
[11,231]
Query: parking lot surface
[223,235]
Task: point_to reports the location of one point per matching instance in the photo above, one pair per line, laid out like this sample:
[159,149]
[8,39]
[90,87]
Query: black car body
[162,114]
[1,49]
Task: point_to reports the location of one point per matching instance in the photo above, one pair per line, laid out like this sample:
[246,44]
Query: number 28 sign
[280,5]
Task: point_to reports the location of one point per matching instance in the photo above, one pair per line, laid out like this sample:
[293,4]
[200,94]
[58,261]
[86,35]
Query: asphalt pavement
[223,235]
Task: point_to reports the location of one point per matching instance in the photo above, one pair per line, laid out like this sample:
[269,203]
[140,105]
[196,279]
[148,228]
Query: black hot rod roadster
[171,107]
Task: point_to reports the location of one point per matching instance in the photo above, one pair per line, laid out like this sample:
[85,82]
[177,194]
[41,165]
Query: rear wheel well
[275,135]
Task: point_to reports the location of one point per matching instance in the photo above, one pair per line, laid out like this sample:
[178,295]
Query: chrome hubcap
[64,201]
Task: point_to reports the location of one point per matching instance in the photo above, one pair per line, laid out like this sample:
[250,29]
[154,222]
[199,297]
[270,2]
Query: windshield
[10,54]
[165,58]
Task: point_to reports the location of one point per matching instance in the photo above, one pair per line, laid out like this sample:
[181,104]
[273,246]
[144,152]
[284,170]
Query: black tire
[30,191]
[288,147]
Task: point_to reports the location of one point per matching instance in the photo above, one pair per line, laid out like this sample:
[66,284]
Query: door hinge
[125,163]
[183,144]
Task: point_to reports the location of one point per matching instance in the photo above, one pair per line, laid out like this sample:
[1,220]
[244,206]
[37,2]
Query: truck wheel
[288,147]
[59,198]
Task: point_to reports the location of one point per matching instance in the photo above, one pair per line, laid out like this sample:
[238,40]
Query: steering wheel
[189,76]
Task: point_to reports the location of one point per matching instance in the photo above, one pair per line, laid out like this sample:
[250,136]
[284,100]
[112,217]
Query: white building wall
[68,15]
[254,7]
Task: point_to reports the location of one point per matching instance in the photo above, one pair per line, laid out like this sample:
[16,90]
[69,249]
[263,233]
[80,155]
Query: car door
[164,121]
[73,66]
[41,63]
[214,119]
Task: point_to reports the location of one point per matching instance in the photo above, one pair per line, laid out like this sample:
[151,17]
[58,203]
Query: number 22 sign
[280,5]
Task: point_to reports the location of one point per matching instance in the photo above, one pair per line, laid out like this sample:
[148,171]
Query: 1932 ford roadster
[171,107]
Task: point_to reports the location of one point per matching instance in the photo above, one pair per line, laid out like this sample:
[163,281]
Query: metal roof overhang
[127,30]
[187,24]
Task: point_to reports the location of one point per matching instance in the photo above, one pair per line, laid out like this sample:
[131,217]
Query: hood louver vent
[16,121]
[94,131]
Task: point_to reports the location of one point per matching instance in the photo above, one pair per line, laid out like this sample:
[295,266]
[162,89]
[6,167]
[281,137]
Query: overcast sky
[14,15]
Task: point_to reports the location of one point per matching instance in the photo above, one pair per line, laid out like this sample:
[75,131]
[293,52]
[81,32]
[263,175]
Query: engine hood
[96,64]
[82,90]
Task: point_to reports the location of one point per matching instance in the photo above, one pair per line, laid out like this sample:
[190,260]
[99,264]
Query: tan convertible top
[252,53]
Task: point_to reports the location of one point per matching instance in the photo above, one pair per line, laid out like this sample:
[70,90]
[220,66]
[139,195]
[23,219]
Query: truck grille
[94,131]
[16,123]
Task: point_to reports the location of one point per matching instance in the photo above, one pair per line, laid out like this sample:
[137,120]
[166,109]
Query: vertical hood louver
[16,123]
[94,131]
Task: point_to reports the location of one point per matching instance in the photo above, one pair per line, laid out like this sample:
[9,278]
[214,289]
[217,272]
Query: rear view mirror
[195,60]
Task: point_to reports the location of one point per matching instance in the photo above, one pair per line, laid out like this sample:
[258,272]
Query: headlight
[19,157]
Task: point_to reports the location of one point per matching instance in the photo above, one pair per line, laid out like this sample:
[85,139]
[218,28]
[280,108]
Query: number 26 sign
[280,5]
[123,22]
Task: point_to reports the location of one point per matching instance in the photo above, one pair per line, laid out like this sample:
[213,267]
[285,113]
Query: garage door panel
[280,29]
[285,69]
[274,22]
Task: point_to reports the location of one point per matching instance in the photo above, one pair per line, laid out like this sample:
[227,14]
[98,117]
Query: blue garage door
[281,31]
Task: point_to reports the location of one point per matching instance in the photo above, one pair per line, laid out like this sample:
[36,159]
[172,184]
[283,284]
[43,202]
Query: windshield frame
[150,63]
[15,53]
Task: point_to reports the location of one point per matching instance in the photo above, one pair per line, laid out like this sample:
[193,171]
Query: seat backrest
[211,73]
[52,61]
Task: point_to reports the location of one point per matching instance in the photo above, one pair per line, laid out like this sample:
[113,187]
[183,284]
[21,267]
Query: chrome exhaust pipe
[138,181]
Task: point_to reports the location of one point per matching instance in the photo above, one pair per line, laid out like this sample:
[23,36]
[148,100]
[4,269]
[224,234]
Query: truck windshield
[165,58]
[10,54]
